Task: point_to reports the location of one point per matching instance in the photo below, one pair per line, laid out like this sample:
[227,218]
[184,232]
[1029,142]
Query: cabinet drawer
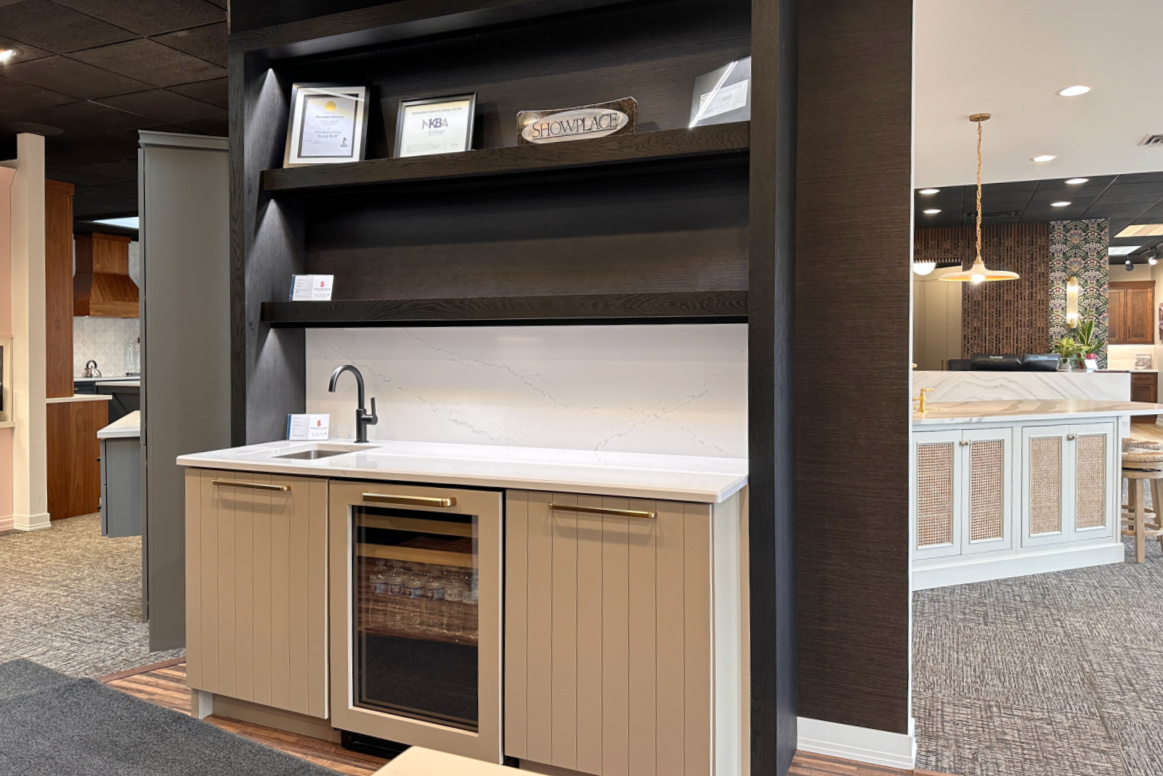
[622,649]
[256,588]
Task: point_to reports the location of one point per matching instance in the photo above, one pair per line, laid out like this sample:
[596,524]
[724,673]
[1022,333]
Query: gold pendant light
[978,273]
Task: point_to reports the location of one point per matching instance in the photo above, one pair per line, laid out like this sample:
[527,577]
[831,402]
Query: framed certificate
[328,124]
[435,125]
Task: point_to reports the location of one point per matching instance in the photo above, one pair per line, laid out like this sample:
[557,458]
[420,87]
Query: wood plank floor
[165,685]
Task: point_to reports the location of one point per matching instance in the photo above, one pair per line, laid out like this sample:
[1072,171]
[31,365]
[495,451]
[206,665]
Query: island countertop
[959,412]
[630,475]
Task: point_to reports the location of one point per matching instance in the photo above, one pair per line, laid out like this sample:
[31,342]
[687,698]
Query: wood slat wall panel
[563,527]
[516,622]
[671,655]
[539,738]
[615,642]
[589,635]
[1008,317]
[643,642]
[58,289]
[262,564]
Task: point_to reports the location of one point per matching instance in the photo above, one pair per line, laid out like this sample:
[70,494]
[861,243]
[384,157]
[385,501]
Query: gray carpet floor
[1051,675]
[57,726]
[71,600]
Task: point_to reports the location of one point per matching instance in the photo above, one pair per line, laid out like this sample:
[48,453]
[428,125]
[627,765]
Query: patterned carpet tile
[1127,680]
[71,600]
[1139,738]
[986,738]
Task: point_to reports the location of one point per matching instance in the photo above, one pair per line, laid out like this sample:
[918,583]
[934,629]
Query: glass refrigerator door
[416,614]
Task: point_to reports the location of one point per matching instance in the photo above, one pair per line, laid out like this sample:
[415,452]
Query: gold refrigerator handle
[411,501]
[603,511]
[250,485]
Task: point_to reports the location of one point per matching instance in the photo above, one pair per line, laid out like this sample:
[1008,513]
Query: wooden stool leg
[1140,526]
[1156,490]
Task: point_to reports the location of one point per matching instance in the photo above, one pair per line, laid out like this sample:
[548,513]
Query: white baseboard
[31,522]
[984,567]
[6,523]
[877,747]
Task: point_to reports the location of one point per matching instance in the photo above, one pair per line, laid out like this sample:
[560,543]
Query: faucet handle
[373,418]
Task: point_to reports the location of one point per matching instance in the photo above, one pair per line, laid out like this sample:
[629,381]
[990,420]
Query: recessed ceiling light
[1142,230]
[1043,158]
[929,191]
[1123,250]
[1060,204]
[1073,91]
[932,211]
[923,268]
[1076,181]
[6,54]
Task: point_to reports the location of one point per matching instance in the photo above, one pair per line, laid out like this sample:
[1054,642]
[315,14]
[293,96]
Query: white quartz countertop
[126,383]
[109,379]
[952,413]
[80,397]
[127,427]
[630,475]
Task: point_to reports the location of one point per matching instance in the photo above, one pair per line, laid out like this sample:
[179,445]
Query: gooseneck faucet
[363,419]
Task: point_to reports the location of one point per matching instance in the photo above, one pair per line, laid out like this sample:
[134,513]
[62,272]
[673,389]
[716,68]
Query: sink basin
[312,455]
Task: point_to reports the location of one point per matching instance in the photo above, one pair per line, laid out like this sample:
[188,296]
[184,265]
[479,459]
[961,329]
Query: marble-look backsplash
[104,339]
[647,389]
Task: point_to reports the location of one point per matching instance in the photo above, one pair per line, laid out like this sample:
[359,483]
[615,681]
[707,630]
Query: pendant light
[978,272]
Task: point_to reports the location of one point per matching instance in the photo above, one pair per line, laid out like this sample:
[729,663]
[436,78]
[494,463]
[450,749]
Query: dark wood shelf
[674,307]
[672,144]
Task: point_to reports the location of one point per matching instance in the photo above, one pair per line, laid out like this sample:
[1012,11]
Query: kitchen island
[576,610]
[1010,488]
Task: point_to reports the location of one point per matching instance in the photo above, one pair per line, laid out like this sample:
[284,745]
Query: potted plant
[1067,348]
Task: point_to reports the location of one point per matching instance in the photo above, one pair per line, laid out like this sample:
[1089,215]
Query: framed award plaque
[328,124]
[435,125]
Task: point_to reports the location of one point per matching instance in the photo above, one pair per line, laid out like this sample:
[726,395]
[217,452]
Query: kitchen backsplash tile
[104,339]
[650,389]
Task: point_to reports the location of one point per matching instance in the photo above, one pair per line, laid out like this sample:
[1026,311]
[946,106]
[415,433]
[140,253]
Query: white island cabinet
[1005,489]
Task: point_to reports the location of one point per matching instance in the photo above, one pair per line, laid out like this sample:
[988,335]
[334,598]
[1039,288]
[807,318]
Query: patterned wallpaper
[104,339]
[1079,248]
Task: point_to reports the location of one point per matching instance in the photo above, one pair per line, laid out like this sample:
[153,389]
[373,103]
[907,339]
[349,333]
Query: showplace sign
[601,120]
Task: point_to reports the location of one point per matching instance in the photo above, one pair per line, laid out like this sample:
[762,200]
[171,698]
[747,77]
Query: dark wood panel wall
[58,288]
[852,286]
[1005,317]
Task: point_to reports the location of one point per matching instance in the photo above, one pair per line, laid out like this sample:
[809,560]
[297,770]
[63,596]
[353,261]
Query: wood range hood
[102,286]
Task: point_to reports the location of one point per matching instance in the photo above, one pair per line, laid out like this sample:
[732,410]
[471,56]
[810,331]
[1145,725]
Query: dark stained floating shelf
[672,307]
[661,146]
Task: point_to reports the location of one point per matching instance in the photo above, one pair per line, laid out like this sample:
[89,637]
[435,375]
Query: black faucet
[363,419]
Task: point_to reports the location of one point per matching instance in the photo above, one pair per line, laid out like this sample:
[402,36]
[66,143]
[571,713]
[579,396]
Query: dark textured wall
[1011,316]
[854,177]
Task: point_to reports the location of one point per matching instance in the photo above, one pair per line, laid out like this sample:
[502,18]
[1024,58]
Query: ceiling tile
[152,62]
[17,96]
[203,42]
[24,52]
[165,107]
[214,92]
[55,28]
[150,17]
[109,199]
[216,127]
[78,79]
[85,119]
[76,152]
[93,174]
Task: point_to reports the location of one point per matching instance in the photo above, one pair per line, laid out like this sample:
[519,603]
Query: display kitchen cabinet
[1144,387]
[964,492]
[623,634]
[1131,313]
[1068,483]
[256,589]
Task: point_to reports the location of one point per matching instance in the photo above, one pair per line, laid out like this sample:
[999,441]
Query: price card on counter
[311,288]
[308,427]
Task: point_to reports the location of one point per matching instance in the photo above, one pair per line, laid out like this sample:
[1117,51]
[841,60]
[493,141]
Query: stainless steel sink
[311,455]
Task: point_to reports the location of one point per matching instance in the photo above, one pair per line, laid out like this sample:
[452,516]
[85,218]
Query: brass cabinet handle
[964,443]
[412,501]
[1071,437]
[603,511]
[250,485]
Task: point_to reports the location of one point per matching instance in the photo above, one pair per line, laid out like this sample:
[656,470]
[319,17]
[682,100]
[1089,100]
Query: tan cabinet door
[256,588]
[1140,317]
[1117,315]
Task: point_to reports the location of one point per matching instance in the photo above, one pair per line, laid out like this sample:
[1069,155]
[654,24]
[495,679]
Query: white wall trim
[31,522]
[877,747]
[985,567]
[6,524]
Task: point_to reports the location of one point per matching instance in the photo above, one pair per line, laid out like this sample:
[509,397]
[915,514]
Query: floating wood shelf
[672,144]
[675,307]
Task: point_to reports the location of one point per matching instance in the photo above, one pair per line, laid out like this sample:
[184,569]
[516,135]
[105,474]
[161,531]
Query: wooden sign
[599,120]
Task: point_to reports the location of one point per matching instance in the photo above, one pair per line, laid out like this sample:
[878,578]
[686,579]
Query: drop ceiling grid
[93,73]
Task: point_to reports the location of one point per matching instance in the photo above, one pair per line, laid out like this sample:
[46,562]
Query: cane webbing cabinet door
[987,474]
[1096,481]
[622,635]
[1047,498]
[256,588]
[940,492]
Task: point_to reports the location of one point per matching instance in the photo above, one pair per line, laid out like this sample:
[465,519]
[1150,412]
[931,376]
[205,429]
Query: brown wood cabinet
[1132,313]
[74,465]
[1144,387]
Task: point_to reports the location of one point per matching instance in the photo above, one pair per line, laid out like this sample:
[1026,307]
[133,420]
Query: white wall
[652,389]
[936,320]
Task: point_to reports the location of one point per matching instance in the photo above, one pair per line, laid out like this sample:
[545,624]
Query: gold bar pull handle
[410,501]
[248,485]
[603,511]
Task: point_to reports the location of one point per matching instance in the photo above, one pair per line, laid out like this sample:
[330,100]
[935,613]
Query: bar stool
[1142,464]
